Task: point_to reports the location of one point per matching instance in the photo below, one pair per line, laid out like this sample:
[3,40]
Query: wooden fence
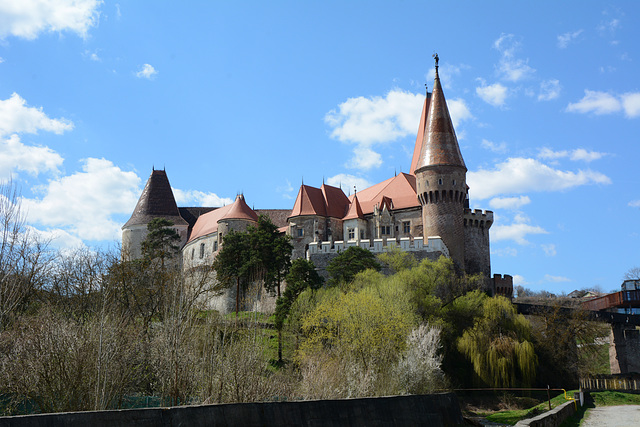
[611,382]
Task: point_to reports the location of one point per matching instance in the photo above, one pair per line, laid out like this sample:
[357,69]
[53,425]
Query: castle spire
[156,201]
[439,145]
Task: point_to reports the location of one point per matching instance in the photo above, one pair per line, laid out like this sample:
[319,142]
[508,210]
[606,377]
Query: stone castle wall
[476,241]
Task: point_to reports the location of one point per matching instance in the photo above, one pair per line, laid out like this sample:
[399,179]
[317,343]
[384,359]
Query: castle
[425,211]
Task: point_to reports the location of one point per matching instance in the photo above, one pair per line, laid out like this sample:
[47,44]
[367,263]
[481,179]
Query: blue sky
[254,97]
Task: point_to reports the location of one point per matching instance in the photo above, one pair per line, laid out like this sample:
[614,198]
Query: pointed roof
[417,148]
[324,201]
[399,190]
[240,210]
[310,201]
[335,201]
[355,210]
[156,201]
[208,222]
[439,144]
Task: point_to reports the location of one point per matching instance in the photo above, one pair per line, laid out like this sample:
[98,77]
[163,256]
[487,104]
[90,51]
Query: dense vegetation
[85,329]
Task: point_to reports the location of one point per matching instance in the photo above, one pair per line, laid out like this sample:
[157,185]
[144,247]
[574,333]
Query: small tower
[156,201]
[441,176]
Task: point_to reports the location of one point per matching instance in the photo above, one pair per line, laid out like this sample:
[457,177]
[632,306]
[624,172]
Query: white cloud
[496,148]
[146,72]
[504,251]
[509,202]
[58,238]
[549,89]
[584,155]
[458,111]
[519,280]
[347,182]
[16,117]
[29,18]
[364,158]
[377,119]
[566,38]
[199,198]
[495,94]
[83,204]
[595,102]
[92,55]
[516,232]
[15,156]
[366,122]
[631,104]
[575,155]
[510,67]
[555,279]
[286,190]
[521,175]
[550,249]
[634,203]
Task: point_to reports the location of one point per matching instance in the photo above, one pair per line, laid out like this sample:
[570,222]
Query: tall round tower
[441,176]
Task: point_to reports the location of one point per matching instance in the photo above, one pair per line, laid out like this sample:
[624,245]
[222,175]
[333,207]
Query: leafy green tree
[270,253]
[301,276]
[344,267]
[398,260]
[162,241]
[232,263]
[499,345]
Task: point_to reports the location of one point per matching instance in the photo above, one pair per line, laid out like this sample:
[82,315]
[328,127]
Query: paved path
[613,416]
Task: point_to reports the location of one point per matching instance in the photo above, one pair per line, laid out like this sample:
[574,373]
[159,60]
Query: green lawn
[513,416]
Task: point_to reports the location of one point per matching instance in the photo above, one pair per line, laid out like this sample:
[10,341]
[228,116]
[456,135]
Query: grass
[513,416]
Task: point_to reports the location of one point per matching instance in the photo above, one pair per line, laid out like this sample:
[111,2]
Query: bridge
[624,343]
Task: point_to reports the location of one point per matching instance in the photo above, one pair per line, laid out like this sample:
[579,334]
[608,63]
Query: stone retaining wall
[420,410]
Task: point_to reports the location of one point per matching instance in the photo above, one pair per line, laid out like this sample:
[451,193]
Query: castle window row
[441,196]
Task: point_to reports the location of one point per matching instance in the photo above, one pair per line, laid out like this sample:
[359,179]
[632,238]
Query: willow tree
[499,345]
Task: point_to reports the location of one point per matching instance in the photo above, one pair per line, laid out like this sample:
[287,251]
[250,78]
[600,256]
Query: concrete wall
[552,418]
[624,349]
[424,410]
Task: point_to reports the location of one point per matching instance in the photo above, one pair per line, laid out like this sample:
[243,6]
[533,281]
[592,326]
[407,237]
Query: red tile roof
[355,211]
[208,223]
[401,190]
[417,148]
[324,201]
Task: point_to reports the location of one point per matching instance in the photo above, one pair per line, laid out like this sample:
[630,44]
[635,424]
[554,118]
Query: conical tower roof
[355,210]
[240,210]
[420,136]
[156,201]
[439,145]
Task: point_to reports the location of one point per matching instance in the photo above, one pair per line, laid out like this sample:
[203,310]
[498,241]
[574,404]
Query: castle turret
[441,176]
[156,201]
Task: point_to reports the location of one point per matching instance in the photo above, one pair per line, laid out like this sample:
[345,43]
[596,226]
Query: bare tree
[23,258]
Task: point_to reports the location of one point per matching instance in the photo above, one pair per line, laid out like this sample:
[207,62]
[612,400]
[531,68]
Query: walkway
[613,416]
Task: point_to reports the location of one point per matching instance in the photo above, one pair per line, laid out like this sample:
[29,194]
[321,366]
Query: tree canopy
[344,267]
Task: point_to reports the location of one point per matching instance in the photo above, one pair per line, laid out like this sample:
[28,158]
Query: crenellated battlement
[503,285]
[478,218]
[434,244]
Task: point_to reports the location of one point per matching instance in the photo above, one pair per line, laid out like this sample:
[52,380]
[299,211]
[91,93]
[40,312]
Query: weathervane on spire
[435,56]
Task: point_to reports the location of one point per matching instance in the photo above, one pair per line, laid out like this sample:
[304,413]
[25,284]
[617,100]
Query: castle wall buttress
[476,241]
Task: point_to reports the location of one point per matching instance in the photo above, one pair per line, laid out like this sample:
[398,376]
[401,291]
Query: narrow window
[439,181]
[201,250]
[215,246]
[193,252]
[300,232]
